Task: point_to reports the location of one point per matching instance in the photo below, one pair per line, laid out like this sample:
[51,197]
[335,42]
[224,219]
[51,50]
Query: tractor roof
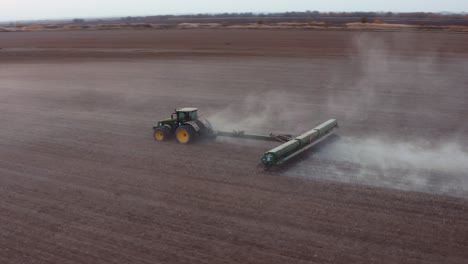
[187,109]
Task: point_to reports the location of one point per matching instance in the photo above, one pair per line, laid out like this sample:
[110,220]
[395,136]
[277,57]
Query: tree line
[309,14]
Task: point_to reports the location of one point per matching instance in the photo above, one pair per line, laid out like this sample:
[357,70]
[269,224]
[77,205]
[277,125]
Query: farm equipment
[298,145]
[187,127]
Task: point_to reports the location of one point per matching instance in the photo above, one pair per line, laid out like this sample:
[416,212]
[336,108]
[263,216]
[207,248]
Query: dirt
[83,181]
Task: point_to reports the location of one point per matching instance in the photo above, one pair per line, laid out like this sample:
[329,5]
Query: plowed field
[83,181]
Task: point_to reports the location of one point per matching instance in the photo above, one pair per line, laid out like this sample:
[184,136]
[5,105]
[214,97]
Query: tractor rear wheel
[185,134]
[162,133]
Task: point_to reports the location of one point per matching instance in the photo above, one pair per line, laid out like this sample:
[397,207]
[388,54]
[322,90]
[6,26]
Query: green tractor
[186,126]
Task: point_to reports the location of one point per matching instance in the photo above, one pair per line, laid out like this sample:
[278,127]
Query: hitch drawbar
[241,134]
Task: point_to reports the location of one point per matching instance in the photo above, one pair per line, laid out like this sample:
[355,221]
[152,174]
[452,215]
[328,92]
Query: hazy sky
[41,9]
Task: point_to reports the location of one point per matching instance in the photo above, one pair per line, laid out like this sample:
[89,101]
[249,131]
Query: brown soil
[82,180]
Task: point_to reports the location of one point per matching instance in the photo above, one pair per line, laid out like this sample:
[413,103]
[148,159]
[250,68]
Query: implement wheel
[185,134]
[162,133]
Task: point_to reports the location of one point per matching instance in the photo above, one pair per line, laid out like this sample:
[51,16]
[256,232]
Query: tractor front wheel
[185,134]
[162,133]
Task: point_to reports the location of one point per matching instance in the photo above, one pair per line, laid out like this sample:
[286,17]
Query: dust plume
[396,112]
[416,165]
[395,98]
[262,112]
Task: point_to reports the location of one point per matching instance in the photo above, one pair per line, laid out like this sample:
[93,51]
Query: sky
[11,10]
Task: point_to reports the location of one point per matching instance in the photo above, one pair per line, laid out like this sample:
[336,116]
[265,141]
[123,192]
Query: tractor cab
[186,114]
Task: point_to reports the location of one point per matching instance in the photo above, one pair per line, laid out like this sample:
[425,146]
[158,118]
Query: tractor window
[181,116]
[194,115]
[187,116]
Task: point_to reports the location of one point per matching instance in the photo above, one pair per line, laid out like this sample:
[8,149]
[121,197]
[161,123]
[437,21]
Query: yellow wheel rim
[159,135]
[183,136]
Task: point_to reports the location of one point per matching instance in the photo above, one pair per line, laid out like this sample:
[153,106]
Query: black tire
[207,131]
[162,133]
[167,132]
[185,134]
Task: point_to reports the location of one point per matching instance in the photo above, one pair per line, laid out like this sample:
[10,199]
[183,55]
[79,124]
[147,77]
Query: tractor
[186,126]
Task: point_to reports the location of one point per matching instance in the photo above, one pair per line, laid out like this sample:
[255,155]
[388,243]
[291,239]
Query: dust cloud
[446,157]
[401,156]
[396,116]
[256,113]
[416,166]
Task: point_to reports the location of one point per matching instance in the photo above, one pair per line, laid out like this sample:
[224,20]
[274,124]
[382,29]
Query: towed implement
[298,145]
[187,127]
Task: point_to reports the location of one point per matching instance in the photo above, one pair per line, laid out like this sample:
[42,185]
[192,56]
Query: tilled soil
[83,181]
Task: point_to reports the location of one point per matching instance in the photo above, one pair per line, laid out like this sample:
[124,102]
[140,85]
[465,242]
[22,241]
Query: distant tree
[364,20]
[78,20]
